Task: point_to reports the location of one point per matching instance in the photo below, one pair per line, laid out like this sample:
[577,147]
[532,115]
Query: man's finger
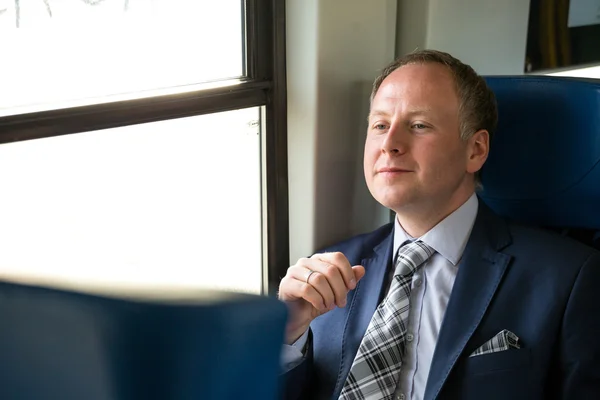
[340,261]
[328,275]
[317,279]
[359,272]
[332,273]
[302,290]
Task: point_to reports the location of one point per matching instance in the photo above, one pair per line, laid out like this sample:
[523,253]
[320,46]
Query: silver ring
[309,275]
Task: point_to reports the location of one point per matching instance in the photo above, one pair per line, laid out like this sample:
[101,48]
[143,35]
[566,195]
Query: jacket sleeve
[580,339]
[295,383]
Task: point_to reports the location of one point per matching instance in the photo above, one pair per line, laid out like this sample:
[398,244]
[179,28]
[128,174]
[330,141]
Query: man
[449,301]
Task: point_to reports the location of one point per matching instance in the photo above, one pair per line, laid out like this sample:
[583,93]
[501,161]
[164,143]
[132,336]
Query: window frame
[264,85]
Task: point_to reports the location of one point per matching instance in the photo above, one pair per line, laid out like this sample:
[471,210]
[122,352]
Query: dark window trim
[265,85]
[122,113]
[277,148]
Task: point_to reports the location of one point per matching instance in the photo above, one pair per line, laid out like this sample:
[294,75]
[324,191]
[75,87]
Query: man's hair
[477,103]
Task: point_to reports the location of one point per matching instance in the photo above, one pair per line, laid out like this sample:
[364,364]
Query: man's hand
[314,286]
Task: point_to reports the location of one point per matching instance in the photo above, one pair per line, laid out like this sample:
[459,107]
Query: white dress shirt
[431,286]
[430,292]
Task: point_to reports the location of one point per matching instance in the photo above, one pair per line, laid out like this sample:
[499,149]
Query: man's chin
[396,201]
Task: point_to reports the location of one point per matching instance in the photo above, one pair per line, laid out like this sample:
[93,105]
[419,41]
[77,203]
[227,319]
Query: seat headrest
[544,162]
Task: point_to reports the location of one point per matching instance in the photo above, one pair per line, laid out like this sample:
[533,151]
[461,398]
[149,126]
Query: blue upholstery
[57,344]
[544,163]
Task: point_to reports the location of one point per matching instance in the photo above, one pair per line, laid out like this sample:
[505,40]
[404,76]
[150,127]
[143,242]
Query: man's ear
[478,148]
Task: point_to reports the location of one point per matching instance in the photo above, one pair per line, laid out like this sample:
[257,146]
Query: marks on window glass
[48,5]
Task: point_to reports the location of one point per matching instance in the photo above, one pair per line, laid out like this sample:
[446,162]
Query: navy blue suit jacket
[543,287]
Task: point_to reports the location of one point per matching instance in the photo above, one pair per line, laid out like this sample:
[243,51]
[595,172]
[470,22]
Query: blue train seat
[59,344]
[544,163]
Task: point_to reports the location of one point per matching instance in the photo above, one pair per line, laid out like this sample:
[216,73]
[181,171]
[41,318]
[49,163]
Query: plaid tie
[374,373]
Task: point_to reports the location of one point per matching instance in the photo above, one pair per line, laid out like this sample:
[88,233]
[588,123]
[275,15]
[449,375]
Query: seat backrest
[59,344]
[544,163]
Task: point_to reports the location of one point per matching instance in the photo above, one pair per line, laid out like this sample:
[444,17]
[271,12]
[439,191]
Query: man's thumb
[359,272]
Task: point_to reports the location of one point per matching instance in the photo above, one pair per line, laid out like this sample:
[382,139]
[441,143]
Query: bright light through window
[172,204]
[54,51]
[587,72]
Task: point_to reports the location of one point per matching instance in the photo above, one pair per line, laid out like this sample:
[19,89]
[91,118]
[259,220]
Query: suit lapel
[479,274]
[362,303]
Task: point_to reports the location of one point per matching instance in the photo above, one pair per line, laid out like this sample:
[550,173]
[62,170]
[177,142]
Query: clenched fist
[314,286]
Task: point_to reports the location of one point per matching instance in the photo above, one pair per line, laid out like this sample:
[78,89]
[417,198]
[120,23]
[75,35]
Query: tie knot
[411,256]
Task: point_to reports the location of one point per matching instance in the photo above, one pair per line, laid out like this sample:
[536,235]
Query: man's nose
[395,141]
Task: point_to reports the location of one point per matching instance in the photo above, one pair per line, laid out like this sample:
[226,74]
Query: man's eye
[380,127]
[419,126]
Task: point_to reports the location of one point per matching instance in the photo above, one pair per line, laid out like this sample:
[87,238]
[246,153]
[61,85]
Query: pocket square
[504,340]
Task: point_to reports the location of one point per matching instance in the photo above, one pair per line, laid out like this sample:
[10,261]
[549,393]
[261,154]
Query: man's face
[414,156]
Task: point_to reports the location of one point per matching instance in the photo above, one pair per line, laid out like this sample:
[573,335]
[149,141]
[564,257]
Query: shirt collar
[450,236]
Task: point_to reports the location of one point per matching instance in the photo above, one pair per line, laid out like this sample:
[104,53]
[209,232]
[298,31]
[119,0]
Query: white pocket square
[504,340]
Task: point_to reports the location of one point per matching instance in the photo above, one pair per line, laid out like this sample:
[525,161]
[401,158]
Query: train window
[562,38]
[60,51]
[133,204]
[143,142]
[586,72]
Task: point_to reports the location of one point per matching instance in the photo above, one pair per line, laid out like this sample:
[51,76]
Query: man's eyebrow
[416,111]
[379,113]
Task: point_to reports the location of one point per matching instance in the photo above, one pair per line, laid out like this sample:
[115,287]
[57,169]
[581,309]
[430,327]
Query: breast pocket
[495,376]
[499,361]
